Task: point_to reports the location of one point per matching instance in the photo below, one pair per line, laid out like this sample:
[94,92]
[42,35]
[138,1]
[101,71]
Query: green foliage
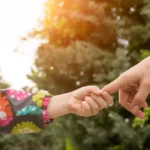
[68,145]
[79,64]
[66,21]
[115,148]
[145,53]
[142,123]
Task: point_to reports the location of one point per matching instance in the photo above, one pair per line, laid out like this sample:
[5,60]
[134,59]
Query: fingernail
[110,105]
[135,109]
[142,116]
[104,92]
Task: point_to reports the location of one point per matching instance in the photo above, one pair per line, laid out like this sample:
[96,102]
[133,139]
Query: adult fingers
[145,105]
[140,97]
[124,100]
[113,86]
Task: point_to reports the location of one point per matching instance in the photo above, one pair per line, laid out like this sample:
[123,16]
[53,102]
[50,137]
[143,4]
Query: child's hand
[88,101]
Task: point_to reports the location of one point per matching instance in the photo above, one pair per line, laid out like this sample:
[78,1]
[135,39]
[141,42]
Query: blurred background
[62,45]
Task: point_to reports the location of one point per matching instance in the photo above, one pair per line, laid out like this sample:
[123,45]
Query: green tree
[82,43]
[66,21]
[79,48]
[91,42]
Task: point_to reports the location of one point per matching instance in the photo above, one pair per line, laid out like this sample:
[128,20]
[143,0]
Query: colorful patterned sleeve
[22,112]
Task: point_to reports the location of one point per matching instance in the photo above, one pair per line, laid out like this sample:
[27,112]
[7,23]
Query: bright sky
[16,18]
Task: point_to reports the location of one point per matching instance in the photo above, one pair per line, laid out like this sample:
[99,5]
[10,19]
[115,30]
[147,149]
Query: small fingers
[86,106]
[93,105]
[93,89]
[86,110]
[108,98]
[99,100]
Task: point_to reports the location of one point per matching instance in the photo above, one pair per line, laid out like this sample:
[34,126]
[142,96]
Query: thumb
[113,86]
[140,98]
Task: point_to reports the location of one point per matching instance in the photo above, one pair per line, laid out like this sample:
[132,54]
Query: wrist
[59,105]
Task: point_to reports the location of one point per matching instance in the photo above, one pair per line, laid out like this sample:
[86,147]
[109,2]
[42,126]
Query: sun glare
[17,18]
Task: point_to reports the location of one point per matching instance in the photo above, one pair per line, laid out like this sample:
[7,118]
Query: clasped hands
[133,87]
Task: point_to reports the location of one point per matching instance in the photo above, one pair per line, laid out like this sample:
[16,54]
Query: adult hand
[134,87]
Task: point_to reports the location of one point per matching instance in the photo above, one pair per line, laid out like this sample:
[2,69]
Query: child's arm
[22,112]
[86,101]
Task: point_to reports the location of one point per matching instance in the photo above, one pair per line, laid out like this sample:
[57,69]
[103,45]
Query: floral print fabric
[22,112]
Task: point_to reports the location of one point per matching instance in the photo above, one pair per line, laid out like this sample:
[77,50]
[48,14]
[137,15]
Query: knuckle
[146,83]
[95,112]
[138,99]
[124,76]
[104,103]
[96,107]
[95,87]
[87,109]
[70,105]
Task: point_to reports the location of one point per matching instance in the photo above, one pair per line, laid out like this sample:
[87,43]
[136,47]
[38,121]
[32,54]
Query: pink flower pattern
[45,101]
[14,101]
[18,95]
[46,118]
[5,121]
